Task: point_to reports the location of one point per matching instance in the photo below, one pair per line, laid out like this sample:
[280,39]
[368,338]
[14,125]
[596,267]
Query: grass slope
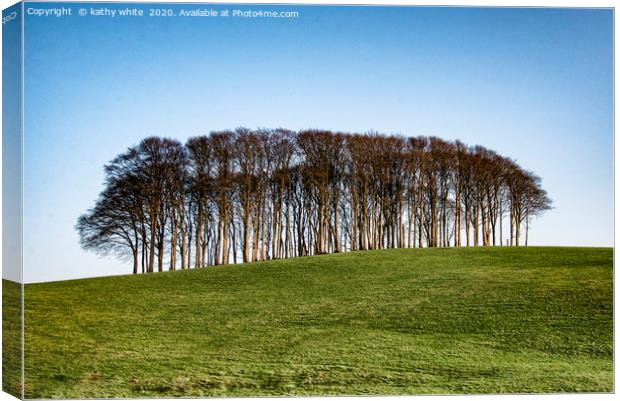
[428,321]
[12,338]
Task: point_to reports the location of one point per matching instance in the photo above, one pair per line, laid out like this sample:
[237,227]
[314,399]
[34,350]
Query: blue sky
[532,84]
[11,143]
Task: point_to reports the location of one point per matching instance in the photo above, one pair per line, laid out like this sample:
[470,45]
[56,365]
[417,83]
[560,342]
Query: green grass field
[12,338]
[429,321]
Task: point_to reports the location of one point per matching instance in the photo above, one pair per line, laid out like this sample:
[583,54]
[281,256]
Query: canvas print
[210,200]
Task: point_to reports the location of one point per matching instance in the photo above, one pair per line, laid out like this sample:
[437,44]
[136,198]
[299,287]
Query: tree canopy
[248,195]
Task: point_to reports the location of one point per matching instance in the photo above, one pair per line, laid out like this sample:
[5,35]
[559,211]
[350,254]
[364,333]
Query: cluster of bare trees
[249,195]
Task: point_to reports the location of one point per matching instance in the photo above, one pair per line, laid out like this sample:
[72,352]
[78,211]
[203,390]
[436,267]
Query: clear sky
[532,84]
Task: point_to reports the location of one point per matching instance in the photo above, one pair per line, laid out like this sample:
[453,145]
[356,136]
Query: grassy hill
[382,322]
[12,338]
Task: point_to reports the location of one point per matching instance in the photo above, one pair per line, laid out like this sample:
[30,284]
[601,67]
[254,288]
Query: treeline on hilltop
[249,195]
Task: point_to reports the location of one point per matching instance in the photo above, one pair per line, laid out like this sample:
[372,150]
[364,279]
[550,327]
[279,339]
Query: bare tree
[277,194]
